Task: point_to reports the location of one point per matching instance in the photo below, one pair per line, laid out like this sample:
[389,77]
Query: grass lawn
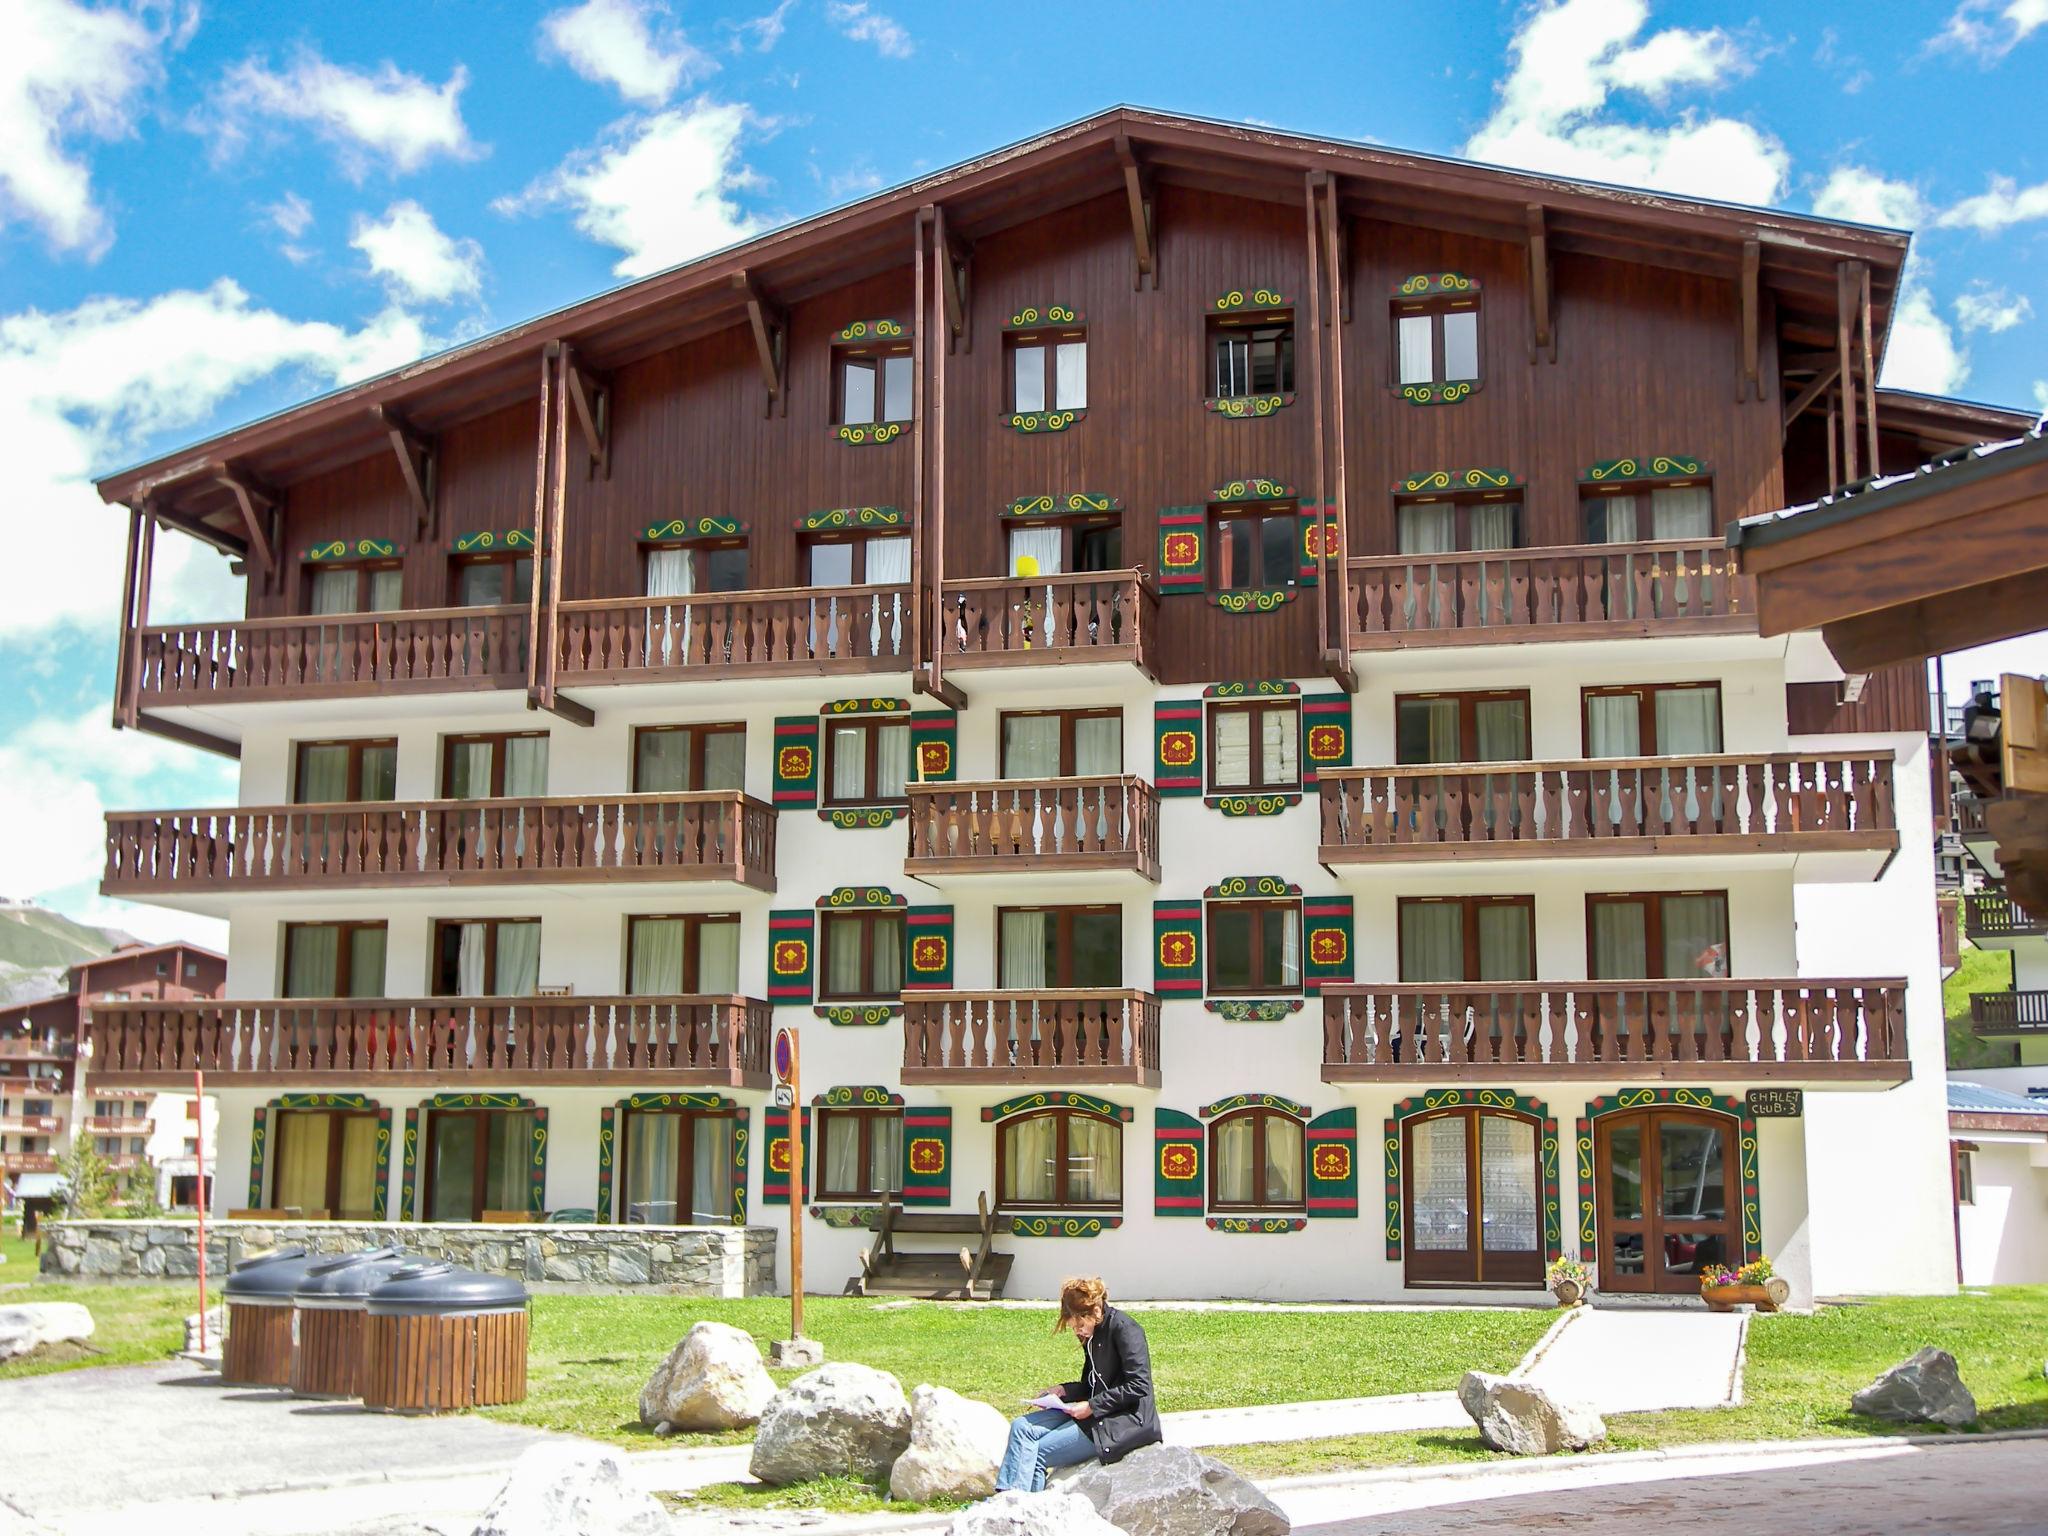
[132,1324]
[1981,970]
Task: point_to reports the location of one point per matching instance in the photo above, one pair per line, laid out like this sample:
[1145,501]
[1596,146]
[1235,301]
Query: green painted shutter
[1177,747]
[934,743]
[796,760]
[607,1160]
[740,1138]
[1176,1164]
[1327,943]
[930,934]
[1333,1163]
[791,953]
[1325,734]
[1183,549]
[537,1167]
[928,1155]
[1177,949]
[775,1171]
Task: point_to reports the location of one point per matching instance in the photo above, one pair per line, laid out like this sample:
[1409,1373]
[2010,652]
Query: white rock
[1524,1420]
[572,1490]
[1055,1512]
[836,1421]
[36,1323]
[713,1379]
[956,1447]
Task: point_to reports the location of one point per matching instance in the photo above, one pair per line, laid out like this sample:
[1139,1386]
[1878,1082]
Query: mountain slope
[37,946]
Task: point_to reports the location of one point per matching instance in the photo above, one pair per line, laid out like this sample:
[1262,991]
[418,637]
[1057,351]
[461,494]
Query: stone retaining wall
[682,1261]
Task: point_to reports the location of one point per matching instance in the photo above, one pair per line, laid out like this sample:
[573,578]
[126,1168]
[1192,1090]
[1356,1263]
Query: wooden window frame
[1653,931]
[1417,1263]
[1220,327]
[357,746]
[685,1165]
[1646,713]
[480,1174]
[859,542]
[509,557]
[842,356]
[344,945]
[493,924]
[1257,709]
[1068,718]
[1435,309]
[1062,1160]
[1222,516]
[1462,506]
[872,727]
[869,920]
[693,925]
[1590,494]
[497,739]
[331,1196]
[699,733]
[1258,986]
[700,551]
[1072,530]
[1259,1119]
[1063,940]
[1472,906]
[865,1118]
[362,569]
[1469,701]
[1048,339]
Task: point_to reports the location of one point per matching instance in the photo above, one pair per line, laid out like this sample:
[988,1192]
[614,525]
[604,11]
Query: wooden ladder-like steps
[964,1271]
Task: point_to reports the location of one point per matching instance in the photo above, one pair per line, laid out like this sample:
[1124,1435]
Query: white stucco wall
[2004,1234]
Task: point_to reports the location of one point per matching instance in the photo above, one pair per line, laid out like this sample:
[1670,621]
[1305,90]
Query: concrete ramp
[1622,1360]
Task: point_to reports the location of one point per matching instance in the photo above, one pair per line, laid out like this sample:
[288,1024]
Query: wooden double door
[1472,1186]
[1668,1198]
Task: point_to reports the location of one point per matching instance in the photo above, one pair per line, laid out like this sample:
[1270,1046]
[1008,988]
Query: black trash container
[328,1361]
[258,1349]
[441,1338]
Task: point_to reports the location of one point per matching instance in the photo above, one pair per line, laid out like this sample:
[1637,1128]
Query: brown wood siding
[1894,698]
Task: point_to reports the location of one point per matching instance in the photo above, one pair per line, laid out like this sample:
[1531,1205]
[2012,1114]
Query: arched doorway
[1667,1181]
[1473,1187]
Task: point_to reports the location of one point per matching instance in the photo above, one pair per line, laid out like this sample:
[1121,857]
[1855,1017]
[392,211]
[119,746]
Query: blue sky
[208,211]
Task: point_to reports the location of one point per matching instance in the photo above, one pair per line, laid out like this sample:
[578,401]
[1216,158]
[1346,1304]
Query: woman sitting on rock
[1107,1414]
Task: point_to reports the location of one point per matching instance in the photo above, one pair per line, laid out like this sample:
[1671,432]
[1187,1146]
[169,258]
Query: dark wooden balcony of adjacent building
[568,840]
[436,1042]
[2010,1015]
[34,1048]
[1819,1032]
[1993,920]
[1830,815]
[1013,828]
[1052,1037]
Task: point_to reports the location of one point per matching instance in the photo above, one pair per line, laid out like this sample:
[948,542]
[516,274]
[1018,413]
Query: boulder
[713,1379]
[216,1328]
[1522,1419]
[34,1324]
[956,1445]
[1055,1512]
[572,1490]
[1172,1490]
[1925,1389]
[836,1421]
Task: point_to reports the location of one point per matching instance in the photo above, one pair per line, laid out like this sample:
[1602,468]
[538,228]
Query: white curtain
[1613,726]
[1283,1160]
[1028,363]
[1041,546]
[1621,947]
[725,760]
[518,959]
[1682,512]
[469,960]
[657,957]
[1094,1160]
[710,1170]
[1503,730]
[1031,747]
[469,770]
[334,591]
[1461,344]
[1280,746]
[1688,721]
[1429,528]
[1023,951]
[1504,953]
[1620,518]
[885,1152]
[652,1145]
[310,961]
[663,763]
[1099,745]
[1429,731]
[1028,1150]
[1233,766]
[1695,936]
[718,958]
[526,765]
[366,962]
[892,762]
[1440,1198]
[888,561]
[1290,947]
[323,775]
[1070,384]
[505,1180]
[1507,1184]
[842,1153]
[849,762]
[1230,1144]
[1493,524]
[671,572]
[889,955]
[1433,941]
[1418,350]
[387,591]
[843,952]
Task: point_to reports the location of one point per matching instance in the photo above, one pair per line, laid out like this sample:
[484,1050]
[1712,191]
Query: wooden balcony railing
[735,634]
[1566,592]
[36,1050]
[1609,806]
[1011,825]
[35,1125]
[1993,916]
[1009,621]
[115,1125]
[2009,1013]
[436,650]
[1046,1035]
[652,1042]
[28,1162]
[707,835]
[1678,1031]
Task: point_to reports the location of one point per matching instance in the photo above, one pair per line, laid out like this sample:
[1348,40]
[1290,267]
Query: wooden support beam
[186,735]
[1869,371]
[257,503]
[1311,207]
[769,325]
[921,605]
[935,488]
[1848,283]
[1335,588]
[1542,333]
[954,268]
[1949,621]
[1343,275]
[417,463]
[1138,197]
[1808,395]
[1808,362]
[536,604]
[591,396]
[126,662]
[562,707]
[1750,381]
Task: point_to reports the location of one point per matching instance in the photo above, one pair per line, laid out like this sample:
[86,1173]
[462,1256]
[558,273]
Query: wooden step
[936,1221]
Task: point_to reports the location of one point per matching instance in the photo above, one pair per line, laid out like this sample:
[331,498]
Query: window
[880,560]
[325,1160]
[698,954]
[1680,935]
[1471,1189]
[1255,548]
[1468,938]
[670,759]
[1254,946]
[491,581]
[867,761]
[862,956]
[1441,525]
[872,386]
[1488,727]
[1049,371]
[1255,746]
[336,772]
[477,1161]
[1039,947]
[1062,743]
[1082,544]
[1251,357]
[1256,1162]
[490,767]
[1966,1175]
[487,957]
[1436,341]
[678,1167]
[334,959]
[677,570]
[1653,720]
[1683,509]
[1063,1158]
[372,588]
[860,1153]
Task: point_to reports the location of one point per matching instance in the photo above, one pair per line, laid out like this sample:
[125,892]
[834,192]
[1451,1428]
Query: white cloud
[2004,203]
[764,32]
[1555,109]
[1984,308]
[853,18]
[67,73]
[626,44]
[291,215]
[1867,197]
[415,259]
[1922,353]
[660,188]
[1991,30]
[382,116]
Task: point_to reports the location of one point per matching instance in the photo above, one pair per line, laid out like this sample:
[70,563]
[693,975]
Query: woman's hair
[1080,1296]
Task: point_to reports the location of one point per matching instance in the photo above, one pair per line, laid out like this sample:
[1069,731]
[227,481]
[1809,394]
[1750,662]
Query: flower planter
[1569,1293]
[1767,1297]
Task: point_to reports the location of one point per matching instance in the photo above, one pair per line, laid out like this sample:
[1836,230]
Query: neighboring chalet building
[1998,1149]
[1197,666]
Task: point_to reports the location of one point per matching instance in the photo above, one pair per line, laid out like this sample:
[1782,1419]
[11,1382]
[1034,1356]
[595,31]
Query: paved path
[1626,1361]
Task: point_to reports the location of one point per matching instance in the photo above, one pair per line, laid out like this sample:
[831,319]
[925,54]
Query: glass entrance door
[1472,1189]
[1667,1199]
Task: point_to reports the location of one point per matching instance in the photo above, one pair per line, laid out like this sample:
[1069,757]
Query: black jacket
[1116,1378]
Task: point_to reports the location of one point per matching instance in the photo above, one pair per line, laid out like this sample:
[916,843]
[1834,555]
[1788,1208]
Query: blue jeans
[1039,1442]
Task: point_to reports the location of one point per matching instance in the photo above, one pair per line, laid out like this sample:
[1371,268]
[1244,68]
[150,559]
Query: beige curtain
[358,1168]
[1031,747]
[718,958]
[526,765]
[711,1170]
[323,775]
[366,962]
[1613,726]
[1429,528]
[1504,952]
[1099,745]
[1418,350]
[334,590]
[300,1182]
[511,1153]
[310,955]
[1502,726]
[1433,941]
[518,959]
[1094,1160]
[653,1143]
[1688,722]
[1621,950]
[1023,951]
[1028,1148]
[842,1152]
[657,957]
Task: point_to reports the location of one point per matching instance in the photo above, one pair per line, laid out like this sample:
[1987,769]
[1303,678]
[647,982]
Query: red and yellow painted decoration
[1177,949]
[1332,1148]
[611,1117]
[1069,504]
[1183,550]
[930,933]
[790,953]
[796,761]
[1703,1099]
[1499,1101]
[1177,1188]
[1177,747]
[780,1161]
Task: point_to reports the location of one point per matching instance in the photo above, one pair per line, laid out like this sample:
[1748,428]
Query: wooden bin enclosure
[330,1301]
[257,1351]
[441,1339]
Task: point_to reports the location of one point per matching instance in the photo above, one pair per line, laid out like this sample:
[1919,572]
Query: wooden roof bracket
[1138,195]
[955,272]
[418,462]
[1848,287]
[1749,381]
[1542,327]
[591,395]
[259,507]
[1810,393]
[769,324]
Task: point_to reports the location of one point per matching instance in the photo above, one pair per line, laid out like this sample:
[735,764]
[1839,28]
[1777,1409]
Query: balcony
[2009,1015]
[794,631]
[1043,621]
[1993,920]
[28,1162]
[712,835]
[1567,592]
[30,1125]
[1051,1037]
[115,1125]
[1831,814]
[1826,1033]
[1018,827]
[441,1042]
[36,1050]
